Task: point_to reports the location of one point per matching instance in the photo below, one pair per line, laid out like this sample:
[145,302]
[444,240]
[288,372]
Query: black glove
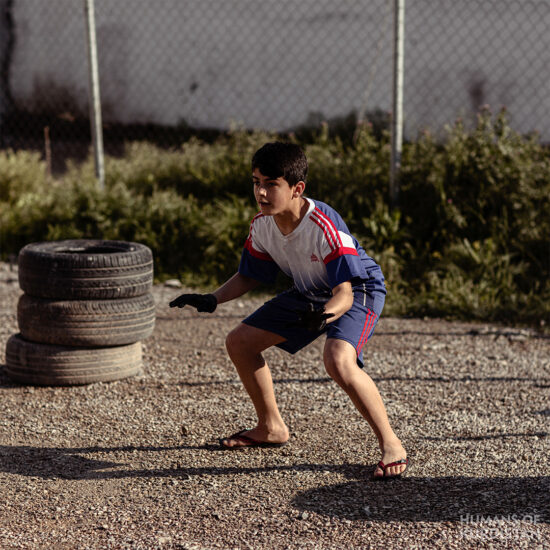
[203,302]
[311,318]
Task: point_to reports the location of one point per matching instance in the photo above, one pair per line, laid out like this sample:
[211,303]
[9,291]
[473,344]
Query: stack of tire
[86,307]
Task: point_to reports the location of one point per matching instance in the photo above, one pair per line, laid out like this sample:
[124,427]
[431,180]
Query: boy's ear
[299,189]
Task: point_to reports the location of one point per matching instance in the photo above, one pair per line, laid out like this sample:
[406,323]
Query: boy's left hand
[311,318]
[202,302]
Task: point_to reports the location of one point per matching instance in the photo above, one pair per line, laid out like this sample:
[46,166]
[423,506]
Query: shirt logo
[314,258]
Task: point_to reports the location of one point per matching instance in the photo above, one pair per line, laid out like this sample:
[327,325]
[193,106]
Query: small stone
[173,283]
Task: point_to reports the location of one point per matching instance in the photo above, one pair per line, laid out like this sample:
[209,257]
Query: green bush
[470,239]
[21,172]
[478,206]
[197,169]
[353,179]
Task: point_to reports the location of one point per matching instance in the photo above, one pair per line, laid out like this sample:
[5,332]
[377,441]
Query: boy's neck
[288,221]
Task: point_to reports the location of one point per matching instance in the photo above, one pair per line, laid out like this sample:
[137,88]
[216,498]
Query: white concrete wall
[271,63]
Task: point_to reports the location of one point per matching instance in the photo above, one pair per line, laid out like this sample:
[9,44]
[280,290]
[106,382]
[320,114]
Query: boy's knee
[334,369]
[235,339]
[243,339]
[339,363]
[250,340]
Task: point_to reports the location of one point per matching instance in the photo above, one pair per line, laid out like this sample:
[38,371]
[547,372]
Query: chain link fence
[171,68]
[462,55]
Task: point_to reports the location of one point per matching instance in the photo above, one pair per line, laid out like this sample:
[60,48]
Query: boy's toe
[379,470]
[236,440]
[392,470]
[395,470]
[242,439]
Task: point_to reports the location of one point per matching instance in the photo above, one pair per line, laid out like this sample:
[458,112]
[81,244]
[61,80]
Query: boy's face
[275,196]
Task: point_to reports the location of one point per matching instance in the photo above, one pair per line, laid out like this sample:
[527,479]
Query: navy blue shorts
[356,326]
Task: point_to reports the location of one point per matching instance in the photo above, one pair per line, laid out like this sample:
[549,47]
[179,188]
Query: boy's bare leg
[245,345]
[340,362]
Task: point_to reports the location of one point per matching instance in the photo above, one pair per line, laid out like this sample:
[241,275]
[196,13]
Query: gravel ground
[135,463]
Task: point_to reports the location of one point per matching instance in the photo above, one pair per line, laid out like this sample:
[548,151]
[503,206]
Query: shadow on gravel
[538,382]
[409,499]
[432,499]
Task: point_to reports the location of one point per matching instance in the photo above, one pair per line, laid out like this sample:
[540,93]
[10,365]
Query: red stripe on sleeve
[256,253]
[340,252]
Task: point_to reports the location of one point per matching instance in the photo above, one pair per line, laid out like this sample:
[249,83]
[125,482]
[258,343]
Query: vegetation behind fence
[470,239]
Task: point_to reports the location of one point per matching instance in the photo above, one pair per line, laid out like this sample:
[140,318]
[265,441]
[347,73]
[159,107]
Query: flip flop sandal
[383,467]
[248,442]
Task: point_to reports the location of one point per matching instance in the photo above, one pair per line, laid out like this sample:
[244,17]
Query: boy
[338,290]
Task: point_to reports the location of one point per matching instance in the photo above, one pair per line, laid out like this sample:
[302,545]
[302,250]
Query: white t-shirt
[318,255]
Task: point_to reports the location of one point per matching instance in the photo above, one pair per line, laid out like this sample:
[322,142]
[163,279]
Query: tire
[46,365]
[85,269]
[86,323]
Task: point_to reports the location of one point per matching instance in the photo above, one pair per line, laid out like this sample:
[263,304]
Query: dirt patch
[135,463]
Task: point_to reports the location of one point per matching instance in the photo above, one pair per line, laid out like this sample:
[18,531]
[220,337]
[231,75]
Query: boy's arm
[341,301]
[233,288]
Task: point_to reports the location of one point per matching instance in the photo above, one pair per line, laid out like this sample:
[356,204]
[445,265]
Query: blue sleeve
[344,267]
[259,267]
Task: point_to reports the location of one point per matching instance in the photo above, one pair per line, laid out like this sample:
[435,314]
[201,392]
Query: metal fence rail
[171,65]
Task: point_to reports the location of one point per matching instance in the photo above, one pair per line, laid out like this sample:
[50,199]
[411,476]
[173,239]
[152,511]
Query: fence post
[397,99]
[7,40]
[93,93]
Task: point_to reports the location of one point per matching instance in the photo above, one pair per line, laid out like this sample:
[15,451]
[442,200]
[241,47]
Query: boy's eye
[268,183]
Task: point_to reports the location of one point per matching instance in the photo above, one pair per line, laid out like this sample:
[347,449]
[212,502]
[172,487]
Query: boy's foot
[255,438]
[394,462]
